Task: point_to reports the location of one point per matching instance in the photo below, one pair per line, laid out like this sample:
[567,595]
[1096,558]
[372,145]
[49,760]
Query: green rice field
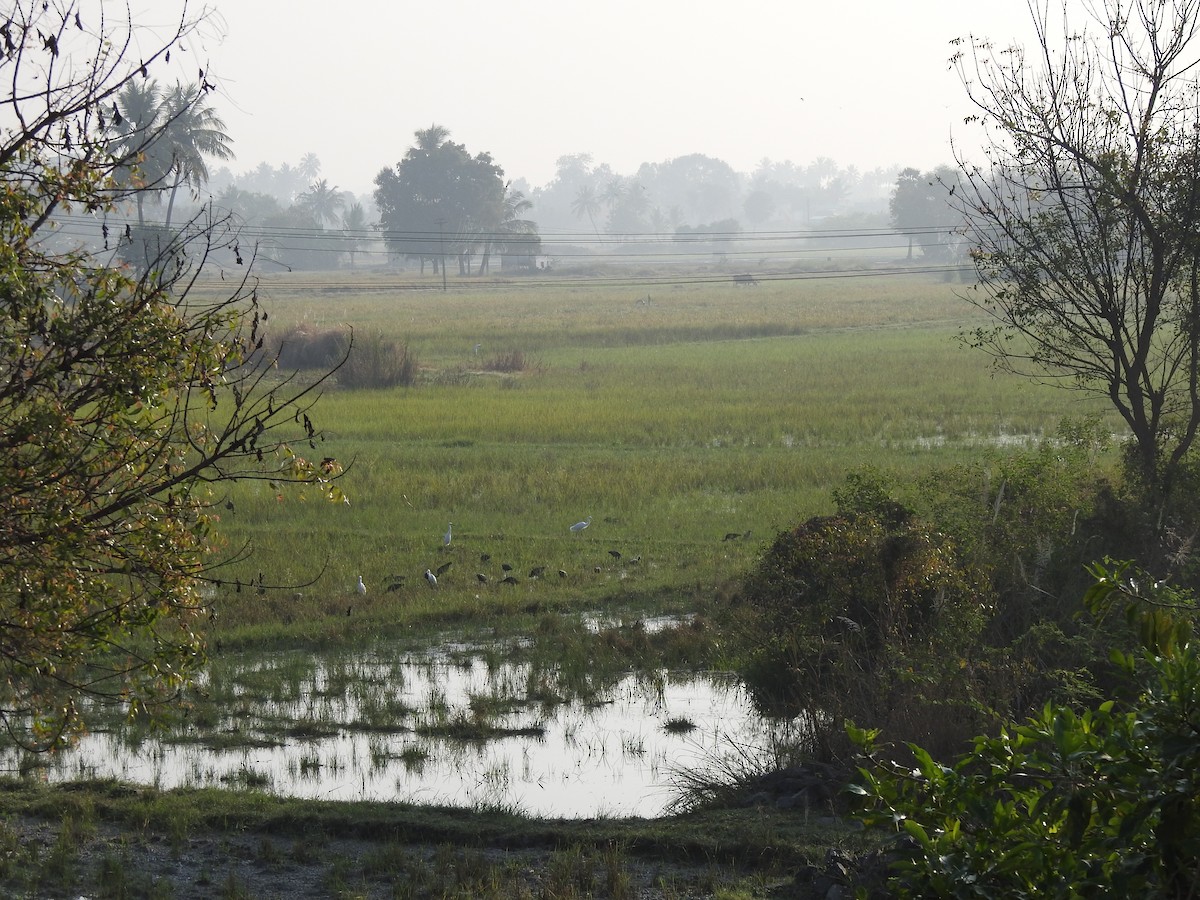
[675,415]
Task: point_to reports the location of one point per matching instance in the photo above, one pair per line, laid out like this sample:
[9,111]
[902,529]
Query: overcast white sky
[864,82]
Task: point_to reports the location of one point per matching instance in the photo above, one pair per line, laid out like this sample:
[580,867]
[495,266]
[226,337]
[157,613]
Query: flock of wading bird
[396,582]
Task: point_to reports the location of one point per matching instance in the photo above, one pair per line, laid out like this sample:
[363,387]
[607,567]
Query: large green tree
[1084,215]
[126,399]
[438,199]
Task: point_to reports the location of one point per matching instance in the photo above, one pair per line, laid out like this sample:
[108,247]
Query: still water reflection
[368,728]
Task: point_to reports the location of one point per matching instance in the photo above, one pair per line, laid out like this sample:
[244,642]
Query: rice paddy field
[689,419]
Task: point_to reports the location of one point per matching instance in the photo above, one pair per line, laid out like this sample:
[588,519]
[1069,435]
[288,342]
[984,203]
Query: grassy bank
[104,839]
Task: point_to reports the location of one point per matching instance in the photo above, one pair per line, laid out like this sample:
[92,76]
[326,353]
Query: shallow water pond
[457,729]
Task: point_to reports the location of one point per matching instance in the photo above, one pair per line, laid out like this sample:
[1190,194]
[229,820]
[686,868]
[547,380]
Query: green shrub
[1104,802]
[866,615]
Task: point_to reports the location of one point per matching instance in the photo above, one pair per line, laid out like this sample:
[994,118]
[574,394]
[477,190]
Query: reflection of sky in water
[614,758]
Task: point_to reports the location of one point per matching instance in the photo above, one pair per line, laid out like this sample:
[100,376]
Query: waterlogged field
[687,423]
[673,415]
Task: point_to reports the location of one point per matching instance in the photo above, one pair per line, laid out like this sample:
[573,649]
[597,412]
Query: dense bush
[930,614]
[1104,802]
[864,615]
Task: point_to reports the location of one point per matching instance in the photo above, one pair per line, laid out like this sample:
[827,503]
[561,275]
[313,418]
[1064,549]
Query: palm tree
[354,224]
[586,203]
[613,193]
[309,167]
[323,201]
[511,229]
[432,137]
[139,105]
[192,130]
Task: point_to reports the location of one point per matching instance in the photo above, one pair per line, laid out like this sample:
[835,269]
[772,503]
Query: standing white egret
[579,526]
[448,535]
[431,578]
[360,587]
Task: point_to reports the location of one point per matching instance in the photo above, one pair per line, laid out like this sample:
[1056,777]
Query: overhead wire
[687,244]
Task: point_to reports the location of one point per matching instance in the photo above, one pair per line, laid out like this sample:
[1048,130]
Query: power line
[945,271]
[563,244]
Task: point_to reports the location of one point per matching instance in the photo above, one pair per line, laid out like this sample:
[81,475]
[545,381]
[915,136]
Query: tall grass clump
[377,362]
[509,361]
[305,347]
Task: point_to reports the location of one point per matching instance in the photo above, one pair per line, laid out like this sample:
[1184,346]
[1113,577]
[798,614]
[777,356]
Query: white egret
[431,578]
[448,535]
[579,526]
[360,587]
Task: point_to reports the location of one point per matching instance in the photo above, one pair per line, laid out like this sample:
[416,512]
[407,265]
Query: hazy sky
[864,82]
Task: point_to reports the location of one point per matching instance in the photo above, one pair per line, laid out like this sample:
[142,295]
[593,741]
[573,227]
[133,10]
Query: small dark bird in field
[615,554]
[536,571]
[481,578]
[508,579]
[443,568]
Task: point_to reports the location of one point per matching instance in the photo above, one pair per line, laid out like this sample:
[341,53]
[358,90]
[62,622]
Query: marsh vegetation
[691,428]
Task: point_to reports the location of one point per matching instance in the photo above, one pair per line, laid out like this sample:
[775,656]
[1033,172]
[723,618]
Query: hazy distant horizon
[866,85]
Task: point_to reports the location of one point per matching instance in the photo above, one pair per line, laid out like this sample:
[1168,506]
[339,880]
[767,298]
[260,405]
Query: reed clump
[303,346]
[374,361]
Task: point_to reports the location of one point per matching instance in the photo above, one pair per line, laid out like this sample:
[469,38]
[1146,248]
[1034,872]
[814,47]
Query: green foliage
[1031,519]
[438,197]
[861,614]
[123,398]
[1104,801]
